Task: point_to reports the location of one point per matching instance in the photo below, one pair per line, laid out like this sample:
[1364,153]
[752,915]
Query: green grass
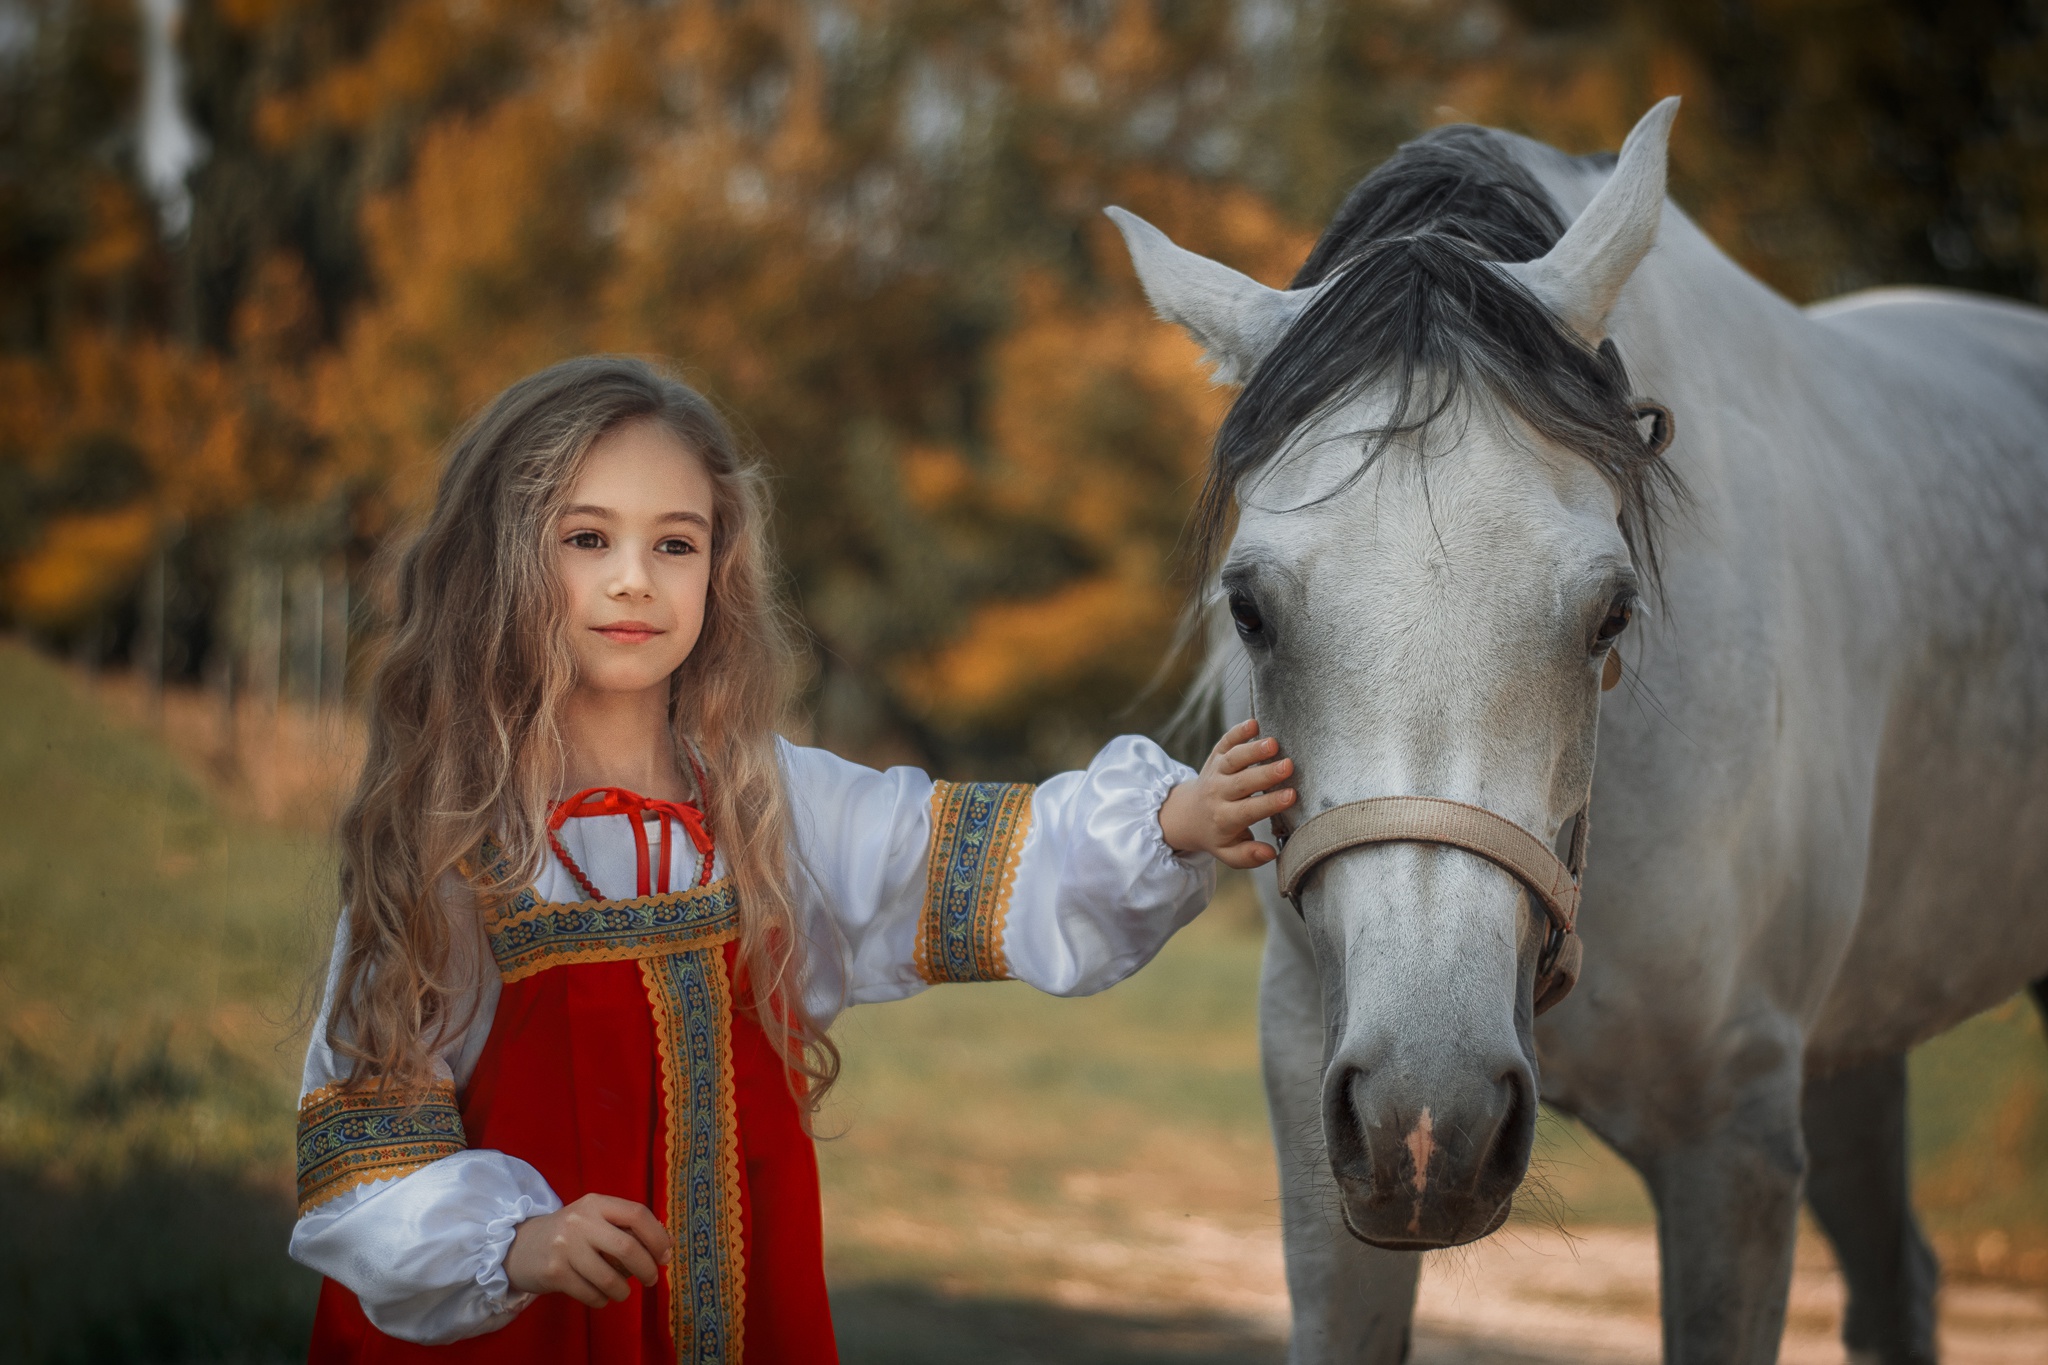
[912,1324]
[964,1100]
[1980,1135]
[1979,1123]
[152,954]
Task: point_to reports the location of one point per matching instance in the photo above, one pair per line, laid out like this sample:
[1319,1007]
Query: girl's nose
[633,579]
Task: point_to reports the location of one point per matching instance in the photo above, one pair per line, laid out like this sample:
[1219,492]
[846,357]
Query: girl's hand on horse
[1239,786]
[587,1249]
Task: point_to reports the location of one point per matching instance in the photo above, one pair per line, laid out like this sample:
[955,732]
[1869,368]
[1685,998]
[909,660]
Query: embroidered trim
[350,1137]
[530,935]
[679,942]
[692,999]
[978,831]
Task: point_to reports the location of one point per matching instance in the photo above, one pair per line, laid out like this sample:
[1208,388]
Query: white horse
[1822,799]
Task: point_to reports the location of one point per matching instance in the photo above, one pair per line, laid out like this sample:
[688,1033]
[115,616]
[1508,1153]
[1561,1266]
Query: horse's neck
[1690,316]
[1762,395]
[1723,350]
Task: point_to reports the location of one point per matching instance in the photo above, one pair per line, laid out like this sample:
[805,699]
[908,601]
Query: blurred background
[258,258]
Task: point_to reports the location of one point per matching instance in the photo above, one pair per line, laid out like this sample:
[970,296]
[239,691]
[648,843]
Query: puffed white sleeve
[393,1205]
[904,882]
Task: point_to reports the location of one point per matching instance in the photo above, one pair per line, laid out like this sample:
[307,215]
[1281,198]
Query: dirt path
[1189,1289]
[1092,1182]
[1525,1295]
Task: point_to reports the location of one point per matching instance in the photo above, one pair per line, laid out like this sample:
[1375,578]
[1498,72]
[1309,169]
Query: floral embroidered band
[692,998]
[680,942]
[978,831]
[530,935]
[350,1137]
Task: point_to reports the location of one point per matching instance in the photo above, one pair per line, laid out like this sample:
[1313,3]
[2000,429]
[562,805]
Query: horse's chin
[1410,1242]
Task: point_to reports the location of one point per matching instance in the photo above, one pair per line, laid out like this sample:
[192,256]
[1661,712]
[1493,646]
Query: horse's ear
[1236,319]
[1583,274]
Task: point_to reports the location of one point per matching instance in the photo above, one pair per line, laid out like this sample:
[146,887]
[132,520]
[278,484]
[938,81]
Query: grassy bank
[151,950]
[1016,1178]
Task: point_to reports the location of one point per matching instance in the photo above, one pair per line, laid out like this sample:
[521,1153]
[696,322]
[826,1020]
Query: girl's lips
[628,632]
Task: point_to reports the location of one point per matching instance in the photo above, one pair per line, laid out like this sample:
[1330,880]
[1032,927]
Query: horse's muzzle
[1425,1166]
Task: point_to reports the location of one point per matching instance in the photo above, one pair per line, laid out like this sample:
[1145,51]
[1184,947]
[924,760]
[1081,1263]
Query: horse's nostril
[1344,1122]
[1516,1132]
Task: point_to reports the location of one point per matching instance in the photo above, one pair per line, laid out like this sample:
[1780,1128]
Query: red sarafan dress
[624,1058]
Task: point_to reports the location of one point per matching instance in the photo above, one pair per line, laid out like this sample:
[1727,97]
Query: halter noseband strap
[1502,842]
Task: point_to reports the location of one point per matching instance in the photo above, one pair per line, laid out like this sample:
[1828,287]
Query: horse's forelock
[1413,304]
[1460,181]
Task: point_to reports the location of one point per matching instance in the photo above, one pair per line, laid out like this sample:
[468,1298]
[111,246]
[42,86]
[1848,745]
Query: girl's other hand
[586,1250]
[1239,786]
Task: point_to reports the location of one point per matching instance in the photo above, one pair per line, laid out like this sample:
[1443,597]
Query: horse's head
[1443,493]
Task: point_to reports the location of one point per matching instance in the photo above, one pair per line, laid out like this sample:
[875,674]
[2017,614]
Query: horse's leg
[1861,1191]
[1727,1196]
[1352,1302]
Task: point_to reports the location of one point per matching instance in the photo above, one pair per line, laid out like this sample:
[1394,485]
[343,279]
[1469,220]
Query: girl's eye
[1619,613]
[676,545]
[585,540]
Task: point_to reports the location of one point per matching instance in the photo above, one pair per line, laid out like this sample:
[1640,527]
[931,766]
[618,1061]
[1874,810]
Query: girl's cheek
[576,573]
[692,581]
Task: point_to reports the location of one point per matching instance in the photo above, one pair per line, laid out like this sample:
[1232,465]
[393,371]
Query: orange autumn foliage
[873,232]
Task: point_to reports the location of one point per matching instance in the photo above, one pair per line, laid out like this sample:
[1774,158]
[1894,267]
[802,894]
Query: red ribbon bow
[619,801]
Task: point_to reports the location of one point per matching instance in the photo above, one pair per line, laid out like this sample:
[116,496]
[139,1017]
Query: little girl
[599,916]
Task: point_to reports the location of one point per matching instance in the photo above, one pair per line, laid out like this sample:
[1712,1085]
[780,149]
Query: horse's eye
[1619,613]
[1244,614]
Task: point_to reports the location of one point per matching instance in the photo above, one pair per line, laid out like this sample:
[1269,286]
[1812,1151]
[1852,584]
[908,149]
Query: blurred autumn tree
[871,230]
[1829,144]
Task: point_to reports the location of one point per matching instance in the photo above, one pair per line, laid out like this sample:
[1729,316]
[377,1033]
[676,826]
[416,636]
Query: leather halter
[1476,830]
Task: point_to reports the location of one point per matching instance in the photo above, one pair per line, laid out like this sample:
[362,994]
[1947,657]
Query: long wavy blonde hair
[464,740]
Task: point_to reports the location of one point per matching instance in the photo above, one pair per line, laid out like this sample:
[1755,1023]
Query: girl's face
[634,553]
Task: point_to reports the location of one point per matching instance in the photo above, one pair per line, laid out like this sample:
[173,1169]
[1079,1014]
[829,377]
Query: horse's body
[1821,810]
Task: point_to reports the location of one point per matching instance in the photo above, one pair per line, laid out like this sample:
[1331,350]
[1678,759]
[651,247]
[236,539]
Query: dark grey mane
[1412,304]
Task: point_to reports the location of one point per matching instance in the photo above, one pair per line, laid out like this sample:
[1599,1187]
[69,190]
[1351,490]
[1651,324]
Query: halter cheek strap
[1476,830]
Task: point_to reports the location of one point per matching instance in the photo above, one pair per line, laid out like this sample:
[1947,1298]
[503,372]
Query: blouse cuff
[489,1272]
[1098,889]
[425,1252]
[1159,784]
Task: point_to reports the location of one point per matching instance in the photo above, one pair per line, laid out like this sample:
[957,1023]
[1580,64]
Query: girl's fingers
[639,1220]
[594,1268]
[1242,756]
[1247,855]
[623,1250]
[1235,735]
[1242,815]
[581,1289]
[1258,778]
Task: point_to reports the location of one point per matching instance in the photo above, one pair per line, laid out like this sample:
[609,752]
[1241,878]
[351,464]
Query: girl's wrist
[1173,824]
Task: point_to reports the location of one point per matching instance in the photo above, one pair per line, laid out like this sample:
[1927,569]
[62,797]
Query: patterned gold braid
[353,1136]
[679,941]
[978,831]
[693,1032]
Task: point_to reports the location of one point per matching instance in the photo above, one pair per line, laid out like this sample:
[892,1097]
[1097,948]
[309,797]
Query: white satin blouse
[1097,892]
